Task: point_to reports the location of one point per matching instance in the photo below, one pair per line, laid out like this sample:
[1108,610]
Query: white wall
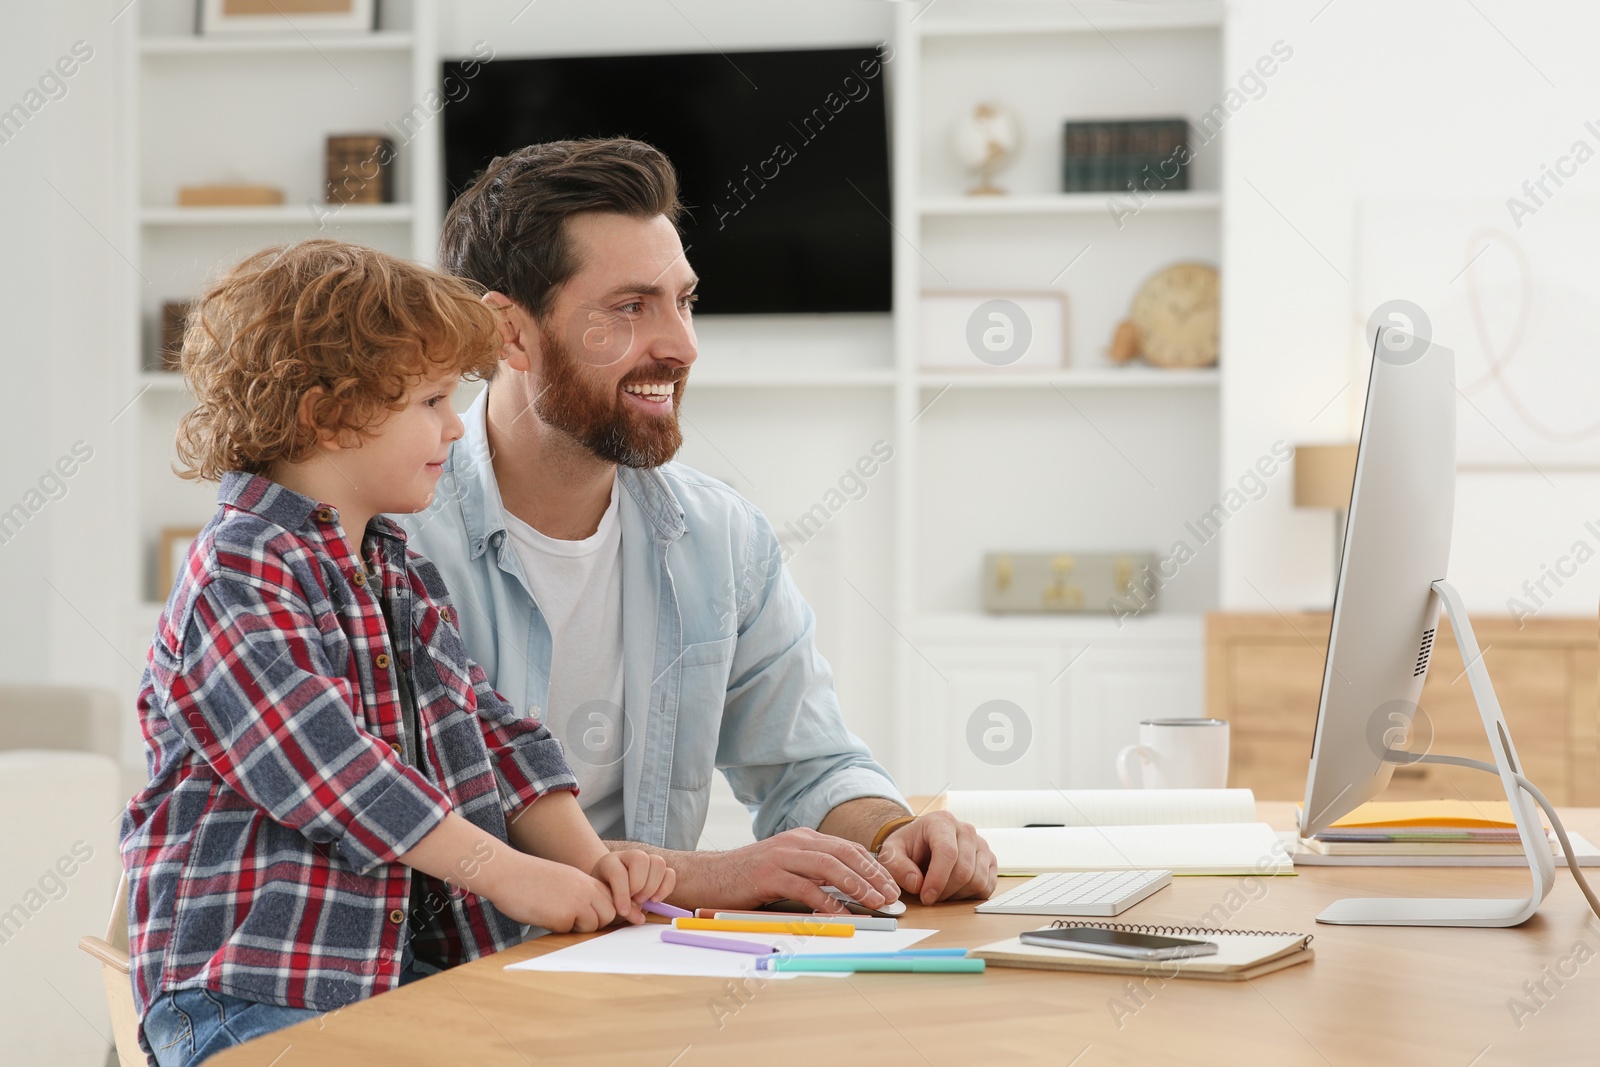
[1382,106]
[59,278]
[1379,103]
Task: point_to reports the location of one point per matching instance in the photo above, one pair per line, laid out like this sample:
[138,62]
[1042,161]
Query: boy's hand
[634,877]
[560,898]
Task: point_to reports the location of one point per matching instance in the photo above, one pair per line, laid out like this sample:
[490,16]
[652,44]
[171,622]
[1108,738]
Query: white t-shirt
[578,587]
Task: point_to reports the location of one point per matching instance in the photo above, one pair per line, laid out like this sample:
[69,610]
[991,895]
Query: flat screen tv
[782,159]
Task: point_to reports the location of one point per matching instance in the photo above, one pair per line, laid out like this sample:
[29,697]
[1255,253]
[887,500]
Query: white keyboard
[1078,893]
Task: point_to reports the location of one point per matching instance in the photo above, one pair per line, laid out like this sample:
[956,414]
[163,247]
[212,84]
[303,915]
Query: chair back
[112,952]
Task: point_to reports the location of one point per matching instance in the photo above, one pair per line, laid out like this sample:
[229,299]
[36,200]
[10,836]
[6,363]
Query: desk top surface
[1372,995]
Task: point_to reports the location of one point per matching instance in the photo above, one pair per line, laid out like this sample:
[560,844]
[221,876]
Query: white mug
[1177,754]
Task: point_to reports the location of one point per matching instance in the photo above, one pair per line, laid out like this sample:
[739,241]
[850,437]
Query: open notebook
[1241,954]
[1185,831]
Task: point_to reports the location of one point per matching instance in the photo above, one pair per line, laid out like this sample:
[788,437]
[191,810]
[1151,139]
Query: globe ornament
[986,142]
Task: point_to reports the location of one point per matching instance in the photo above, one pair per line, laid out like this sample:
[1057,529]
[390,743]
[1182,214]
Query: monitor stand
[1454,911]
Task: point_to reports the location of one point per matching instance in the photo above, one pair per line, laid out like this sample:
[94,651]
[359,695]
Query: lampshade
[1324,475]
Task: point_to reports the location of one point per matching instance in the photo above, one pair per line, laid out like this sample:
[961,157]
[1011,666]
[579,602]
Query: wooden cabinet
[1264,675]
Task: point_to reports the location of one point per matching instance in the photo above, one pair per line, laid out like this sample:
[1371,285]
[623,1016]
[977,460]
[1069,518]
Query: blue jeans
[190,1025]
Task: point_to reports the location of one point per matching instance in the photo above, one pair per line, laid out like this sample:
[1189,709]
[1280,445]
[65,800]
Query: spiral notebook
[1241,954]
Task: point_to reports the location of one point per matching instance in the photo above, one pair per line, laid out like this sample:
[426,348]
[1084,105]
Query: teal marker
[912,952]
[909,964]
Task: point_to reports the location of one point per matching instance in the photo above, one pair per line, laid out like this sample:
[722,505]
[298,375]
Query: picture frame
[174,550]
[981,330]
[224,17]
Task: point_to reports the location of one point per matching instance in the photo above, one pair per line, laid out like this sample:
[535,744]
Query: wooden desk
[1372,997]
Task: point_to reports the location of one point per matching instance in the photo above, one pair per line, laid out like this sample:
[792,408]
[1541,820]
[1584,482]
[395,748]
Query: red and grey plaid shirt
[261,856]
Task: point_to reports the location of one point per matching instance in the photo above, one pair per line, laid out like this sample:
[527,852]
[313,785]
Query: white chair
[77,718]
[59,841]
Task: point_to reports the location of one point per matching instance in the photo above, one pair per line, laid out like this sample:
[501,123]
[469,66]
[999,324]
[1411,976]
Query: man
[636,606]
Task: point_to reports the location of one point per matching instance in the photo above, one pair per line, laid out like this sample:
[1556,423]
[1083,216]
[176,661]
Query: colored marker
[722,944]
[656,907]
[860,922]
[742,926]
[910,964]
[905,953]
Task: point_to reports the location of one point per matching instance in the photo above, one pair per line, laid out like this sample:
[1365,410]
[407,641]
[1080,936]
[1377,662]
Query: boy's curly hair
[362,326]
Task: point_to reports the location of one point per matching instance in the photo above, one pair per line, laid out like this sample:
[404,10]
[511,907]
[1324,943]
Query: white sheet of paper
[640,950]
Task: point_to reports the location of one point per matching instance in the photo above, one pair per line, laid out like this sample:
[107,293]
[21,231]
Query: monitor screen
[782,159]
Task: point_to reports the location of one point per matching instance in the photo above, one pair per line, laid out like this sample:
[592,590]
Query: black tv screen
[782,159]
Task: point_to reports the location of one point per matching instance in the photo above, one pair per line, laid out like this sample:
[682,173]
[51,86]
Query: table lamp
[1323,478]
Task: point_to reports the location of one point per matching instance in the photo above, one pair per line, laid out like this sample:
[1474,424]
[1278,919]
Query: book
[1185,831]
[1241,954]
[1146,154]
[1429,814]
[1411,847]
[1425,828]
[1587,855]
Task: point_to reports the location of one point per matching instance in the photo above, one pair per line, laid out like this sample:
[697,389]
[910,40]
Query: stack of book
[1149,154]
[1427,833]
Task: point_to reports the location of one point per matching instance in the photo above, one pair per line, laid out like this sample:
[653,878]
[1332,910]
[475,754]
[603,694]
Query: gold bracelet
[888,828]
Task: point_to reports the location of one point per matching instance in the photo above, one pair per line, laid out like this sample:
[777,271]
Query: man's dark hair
[507,230]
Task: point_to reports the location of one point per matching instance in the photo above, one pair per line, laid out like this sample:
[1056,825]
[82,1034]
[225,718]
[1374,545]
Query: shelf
[277,215]
[1067,203]
[383,41]
[1099,17]
[874,378]
[1111,378]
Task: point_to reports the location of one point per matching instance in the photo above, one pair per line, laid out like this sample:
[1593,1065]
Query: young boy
[338,802]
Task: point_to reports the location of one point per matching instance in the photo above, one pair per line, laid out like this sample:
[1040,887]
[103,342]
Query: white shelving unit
[257,109]
[1090,457]
[1087,456]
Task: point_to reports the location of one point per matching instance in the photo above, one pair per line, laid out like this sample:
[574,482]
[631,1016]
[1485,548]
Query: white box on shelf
[981,329]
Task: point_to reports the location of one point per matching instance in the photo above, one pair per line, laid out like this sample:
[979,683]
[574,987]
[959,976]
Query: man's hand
[797,864]
[939,857]
[634,877]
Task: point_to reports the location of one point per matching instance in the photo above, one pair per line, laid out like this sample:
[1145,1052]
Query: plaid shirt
[261,857]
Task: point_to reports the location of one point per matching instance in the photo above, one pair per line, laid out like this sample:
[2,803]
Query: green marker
[913,964]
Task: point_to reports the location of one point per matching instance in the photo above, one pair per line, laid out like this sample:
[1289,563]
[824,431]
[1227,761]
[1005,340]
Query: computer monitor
[1386,607]
[1385,612]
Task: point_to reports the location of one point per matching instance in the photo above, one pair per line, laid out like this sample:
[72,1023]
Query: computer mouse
[892,910]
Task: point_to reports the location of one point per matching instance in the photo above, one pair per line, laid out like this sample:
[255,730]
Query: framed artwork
[175,542]
[214,17]
[979,330]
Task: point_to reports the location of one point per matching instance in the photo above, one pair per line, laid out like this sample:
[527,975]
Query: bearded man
[637,607]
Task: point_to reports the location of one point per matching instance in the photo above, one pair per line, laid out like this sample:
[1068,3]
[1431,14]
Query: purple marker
[723,944]
[656,907]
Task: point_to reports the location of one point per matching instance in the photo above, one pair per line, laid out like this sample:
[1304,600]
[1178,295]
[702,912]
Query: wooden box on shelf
[229,196]
[360,169]
[1264,675]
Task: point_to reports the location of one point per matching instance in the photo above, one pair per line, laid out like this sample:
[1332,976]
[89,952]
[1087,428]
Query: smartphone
[1119,943]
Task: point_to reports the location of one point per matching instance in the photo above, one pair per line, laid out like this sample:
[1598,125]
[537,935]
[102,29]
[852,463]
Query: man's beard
[599,419]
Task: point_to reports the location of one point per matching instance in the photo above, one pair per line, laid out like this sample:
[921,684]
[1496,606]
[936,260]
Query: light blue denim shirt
[720,668]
